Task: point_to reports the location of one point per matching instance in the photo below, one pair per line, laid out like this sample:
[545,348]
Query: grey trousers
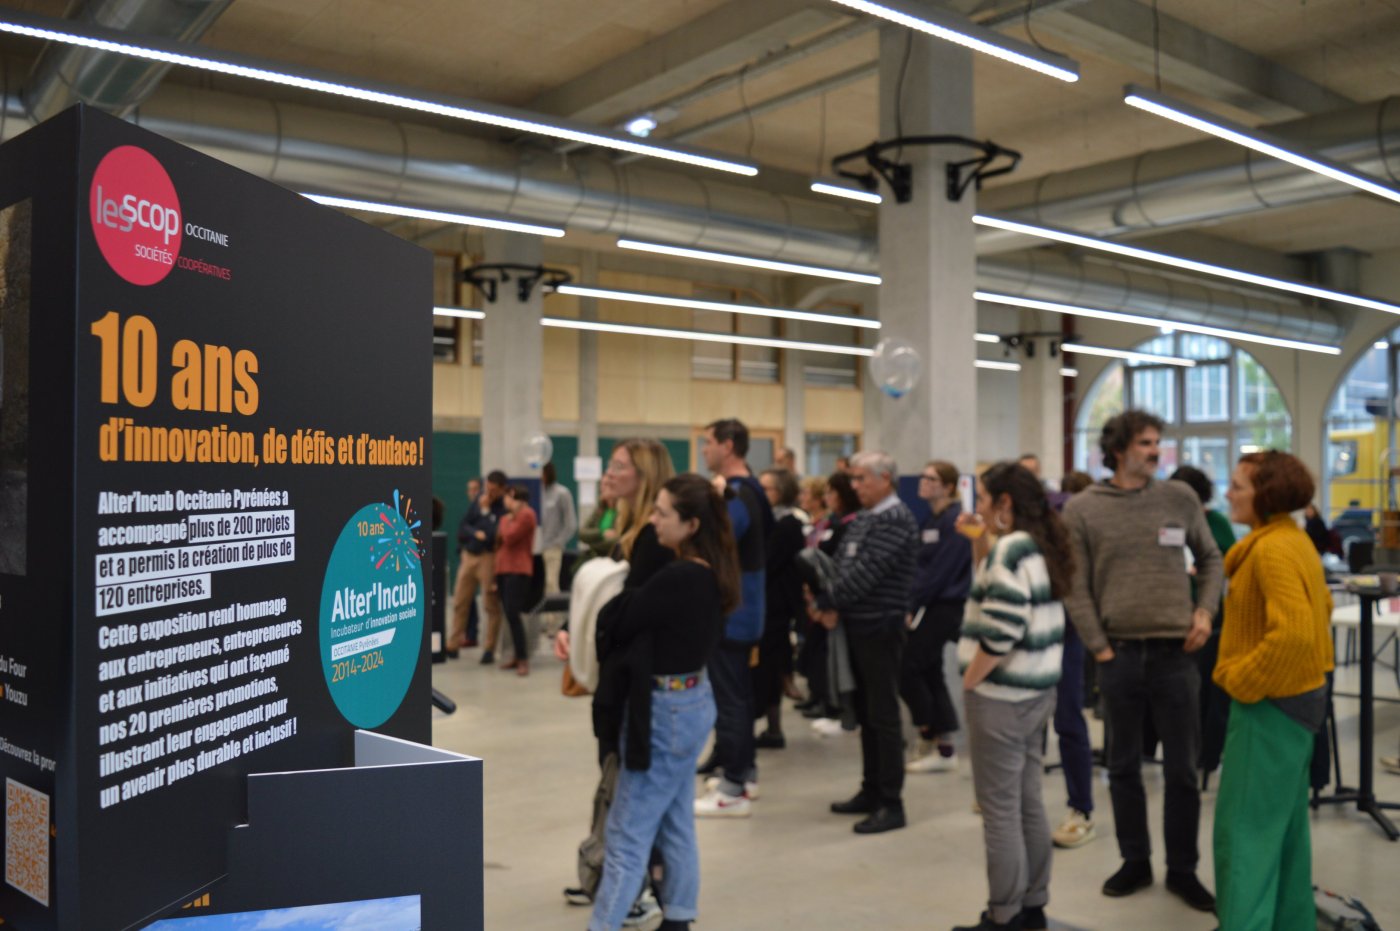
[1005,739]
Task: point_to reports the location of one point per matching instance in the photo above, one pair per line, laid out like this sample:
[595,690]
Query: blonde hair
[653,464]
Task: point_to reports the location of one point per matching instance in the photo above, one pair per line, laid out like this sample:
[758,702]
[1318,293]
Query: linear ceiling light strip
[667,300]
[461,312]
[1127,354]
[1262,142]
[771,265]
[923,17]
[1074,310]
[846,191]
[440,216]
[998,366]
[703,337]
[70,32]
[1162,258]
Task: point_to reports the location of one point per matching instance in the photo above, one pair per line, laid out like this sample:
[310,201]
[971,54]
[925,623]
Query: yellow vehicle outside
[1359,469]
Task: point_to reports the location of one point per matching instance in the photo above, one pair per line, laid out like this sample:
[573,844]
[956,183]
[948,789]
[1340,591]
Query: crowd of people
[740,589]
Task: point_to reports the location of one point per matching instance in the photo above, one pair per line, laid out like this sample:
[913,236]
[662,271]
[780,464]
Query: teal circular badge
[372,614]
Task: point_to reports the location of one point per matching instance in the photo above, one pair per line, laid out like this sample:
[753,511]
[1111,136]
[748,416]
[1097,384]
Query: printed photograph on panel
[15,280]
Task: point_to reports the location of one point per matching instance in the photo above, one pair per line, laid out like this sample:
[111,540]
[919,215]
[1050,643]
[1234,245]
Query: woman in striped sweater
[1010,653]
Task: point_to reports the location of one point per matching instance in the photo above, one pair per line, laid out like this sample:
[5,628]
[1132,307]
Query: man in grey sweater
[1132,604]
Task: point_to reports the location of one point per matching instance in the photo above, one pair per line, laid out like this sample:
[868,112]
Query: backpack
[590,850]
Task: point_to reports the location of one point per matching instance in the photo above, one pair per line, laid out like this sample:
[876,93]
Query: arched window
[1356,463]
[1223,406]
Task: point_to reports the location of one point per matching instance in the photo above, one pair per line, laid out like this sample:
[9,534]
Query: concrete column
[927,254]
[587,387]
[588,364]
[1042,402]
[512,363]
[794,405]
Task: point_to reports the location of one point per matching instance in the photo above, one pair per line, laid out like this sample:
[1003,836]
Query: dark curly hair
[1120,432]
[1031,512]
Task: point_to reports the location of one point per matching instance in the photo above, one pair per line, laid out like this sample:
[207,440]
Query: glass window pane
[1195,346]
[823,449]
[758,363]
[1153,389]
[712,361]
[1107,398]
[1210,454]
[1208,393]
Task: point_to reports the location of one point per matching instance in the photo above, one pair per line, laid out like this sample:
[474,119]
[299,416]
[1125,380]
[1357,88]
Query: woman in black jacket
[654,644]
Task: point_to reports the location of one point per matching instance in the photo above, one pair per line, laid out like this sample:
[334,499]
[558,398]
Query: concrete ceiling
[601,60]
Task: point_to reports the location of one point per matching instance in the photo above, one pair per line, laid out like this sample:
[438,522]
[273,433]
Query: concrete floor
[795,865]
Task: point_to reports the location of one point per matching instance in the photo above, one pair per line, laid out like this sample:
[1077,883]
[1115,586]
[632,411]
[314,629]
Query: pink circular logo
[135,215]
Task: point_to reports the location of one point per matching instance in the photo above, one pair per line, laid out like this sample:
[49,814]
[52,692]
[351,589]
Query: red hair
[1282,484]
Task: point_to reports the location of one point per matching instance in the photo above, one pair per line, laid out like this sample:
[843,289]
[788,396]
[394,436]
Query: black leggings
[514,588]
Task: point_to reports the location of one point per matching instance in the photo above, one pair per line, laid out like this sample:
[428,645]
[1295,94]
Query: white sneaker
[750,788]
[1075,831]
[932,761]
[645,914]
[829,727]
[717,804]
[1391,764]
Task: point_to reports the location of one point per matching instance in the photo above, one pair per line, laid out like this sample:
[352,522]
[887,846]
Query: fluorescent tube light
[1074,310]
[998,366]
[755,310]
[459,312]
[440,216]
[987,338]
[1381,344]
[749,261]
[1069,373]
[1162,258]
[701,336]
[847,191]
[86,35]
[1260,141]
[1128,354]
[950,27]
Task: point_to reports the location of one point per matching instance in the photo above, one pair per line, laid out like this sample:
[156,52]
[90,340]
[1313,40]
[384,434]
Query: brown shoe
[522,668]
[511,665]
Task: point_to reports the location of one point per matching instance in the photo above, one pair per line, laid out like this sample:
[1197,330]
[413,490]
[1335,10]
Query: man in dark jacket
[476,535]
[875,567]
[724,449]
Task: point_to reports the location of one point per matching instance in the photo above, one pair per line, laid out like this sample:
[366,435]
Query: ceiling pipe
[64,75]
[1048,275]
[1202,182]
[373,158]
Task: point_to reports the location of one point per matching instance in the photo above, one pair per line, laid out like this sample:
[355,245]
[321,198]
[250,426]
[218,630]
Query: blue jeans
[1076,754]
[656,807]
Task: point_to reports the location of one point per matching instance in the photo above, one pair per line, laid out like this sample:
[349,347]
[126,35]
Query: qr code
[27,840]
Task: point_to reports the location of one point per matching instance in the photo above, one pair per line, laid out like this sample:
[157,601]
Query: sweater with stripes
[874,568]
[1010,613]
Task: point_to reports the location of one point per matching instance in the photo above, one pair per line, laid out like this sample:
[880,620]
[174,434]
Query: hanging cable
[1156,45]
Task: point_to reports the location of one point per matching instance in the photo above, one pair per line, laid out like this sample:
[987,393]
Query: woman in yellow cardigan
[1275,652]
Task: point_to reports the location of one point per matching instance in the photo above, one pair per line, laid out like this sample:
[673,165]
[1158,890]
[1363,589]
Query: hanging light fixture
[1260,141]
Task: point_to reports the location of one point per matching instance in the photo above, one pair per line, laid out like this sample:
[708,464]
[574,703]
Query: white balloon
[896,366]
[536,450]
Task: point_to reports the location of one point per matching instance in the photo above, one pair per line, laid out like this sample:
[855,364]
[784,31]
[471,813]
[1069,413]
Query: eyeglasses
[619,467]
